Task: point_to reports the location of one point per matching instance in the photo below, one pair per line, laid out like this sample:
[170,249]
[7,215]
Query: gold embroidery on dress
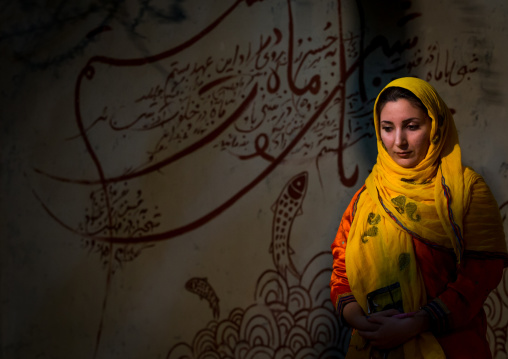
[404,260]
[411,181]
[373,219]
[409,208]
[399,202]
[371,232]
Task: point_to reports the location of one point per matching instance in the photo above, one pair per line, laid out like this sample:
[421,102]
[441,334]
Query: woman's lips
[403,154]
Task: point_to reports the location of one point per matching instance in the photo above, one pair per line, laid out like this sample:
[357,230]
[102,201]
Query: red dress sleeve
[456,297]
[340,292]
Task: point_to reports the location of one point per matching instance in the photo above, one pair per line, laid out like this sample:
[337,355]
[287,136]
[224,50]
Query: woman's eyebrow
[411,119]
[404,121]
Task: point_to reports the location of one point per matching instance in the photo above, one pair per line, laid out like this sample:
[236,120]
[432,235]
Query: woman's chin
[406,162]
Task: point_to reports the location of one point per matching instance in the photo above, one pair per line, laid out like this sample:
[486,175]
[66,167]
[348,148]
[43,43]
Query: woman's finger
[376,320]
[367,335]
[386,313]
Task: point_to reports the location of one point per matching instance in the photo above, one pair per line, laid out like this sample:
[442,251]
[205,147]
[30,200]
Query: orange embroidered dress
[428,237]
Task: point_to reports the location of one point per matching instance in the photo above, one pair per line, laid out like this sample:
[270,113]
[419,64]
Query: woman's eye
[413,127]
[386,129]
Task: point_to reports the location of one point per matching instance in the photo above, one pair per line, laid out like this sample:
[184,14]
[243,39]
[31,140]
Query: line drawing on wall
[273,98]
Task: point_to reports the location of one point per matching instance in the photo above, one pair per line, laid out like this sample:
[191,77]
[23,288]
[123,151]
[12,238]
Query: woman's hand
[355,316]
[393,331]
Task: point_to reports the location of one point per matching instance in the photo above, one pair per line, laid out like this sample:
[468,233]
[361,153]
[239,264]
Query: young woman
[421,244]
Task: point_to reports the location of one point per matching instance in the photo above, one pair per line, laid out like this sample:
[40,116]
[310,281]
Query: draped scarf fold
[427,202]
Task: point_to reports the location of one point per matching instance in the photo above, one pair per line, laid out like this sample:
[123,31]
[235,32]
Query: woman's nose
[400,138]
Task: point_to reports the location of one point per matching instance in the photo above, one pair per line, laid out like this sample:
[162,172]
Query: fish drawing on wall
[285,209]
[204,290]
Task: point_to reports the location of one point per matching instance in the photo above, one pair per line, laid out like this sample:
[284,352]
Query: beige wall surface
[173,172]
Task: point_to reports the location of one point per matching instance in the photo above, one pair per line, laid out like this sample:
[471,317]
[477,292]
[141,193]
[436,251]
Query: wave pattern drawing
[496,308]
[285,321]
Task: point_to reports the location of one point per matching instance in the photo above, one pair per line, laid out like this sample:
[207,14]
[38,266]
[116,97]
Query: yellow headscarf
[427,202]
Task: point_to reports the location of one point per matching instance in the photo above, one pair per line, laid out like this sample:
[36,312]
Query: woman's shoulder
[356,195]
[477,190]
[352,206]
[469,171]
[472,178]
[360,190]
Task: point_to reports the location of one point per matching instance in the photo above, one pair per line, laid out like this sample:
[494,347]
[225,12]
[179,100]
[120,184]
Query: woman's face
[405,132]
